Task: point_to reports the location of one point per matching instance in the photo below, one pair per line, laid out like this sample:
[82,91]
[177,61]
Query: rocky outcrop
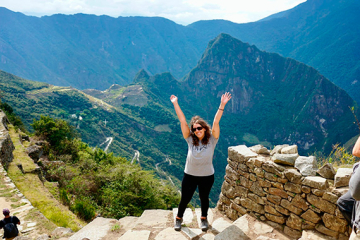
[6,145]
[278,194]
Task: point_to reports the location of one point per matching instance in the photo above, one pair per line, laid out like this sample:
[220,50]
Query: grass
[116,227]
[36,192]
[18,205]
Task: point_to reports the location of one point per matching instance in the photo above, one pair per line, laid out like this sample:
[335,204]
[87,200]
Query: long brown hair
[205,125]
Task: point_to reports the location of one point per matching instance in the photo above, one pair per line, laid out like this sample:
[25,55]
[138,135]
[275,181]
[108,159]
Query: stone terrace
[267,186]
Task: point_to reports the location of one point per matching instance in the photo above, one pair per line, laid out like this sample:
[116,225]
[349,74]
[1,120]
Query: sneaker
[204,224]
[178,222]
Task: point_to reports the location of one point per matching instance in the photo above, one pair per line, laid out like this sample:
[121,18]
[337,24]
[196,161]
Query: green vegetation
[92,181]
[338,157]
[13,118]
[33,189]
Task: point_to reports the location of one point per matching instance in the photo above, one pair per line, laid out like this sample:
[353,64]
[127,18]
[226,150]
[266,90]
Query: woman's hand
[225,98]
[173,99]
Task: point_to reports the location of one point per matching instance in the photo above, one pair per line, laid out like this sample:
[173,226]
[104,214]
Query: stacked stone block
[279,194]
[6,145]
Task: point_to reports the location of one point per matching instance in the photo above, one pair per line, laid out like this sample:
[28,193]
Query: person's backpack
[10,230]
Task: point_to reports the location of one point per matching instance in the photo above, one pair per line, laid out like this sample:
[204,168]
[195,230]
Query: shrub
[84,208]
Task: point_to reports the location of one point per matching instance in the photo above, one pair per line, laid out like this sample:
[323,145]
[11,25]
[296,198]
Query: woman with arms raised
[199,169]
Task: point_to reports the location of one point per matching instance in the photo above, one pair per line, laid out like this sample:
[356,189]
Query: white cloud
[180,11]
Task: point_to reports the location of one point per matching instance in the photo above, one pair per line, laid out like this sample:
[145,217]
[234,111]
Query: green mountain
[275,100]
[321,33]
[87,51]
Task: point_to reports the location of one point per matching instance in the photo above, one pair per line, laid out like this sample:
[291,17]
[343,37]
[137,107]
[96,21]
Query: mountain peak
[141,76]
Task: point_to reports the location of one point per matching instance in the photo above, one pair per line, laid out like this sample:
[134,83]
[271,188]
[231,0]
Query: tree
[55,131]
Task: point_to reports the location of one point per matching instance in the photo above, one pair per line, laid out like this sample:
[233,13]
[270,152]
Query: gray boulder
[286,159]
[260,149]
[35,152]
[342,177]
[306,165]
[327,171]
[277,149]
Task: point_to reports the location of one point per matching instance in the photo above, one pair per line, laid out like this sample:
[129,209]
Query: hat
[6,211]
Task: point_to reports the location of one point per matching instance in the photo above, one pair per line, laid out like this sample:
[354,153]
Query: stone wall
[267,186]
[6,145]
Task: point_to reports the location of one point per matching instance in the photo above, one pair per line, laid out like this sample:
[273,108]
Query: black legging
[188,187]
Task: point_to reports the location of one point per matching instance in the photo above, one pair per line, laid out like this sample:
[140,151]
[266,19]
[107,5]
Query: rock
[23,137]
[260,149]
[292,232]
[274,168]
[238,208]
[316,182]
[278,192]
[286,159]
[282,210]
[277,219]
[253,206]
[169,233]
[306,165]
[128,222]
[6,146]
[35,152]
[257,189]
[262,228]
[289,150]
[243,224]
[342,177]
[208,236]
[334,223]
[274,199]
[292,187]
[289,206]
[331,197]
[191,232]
[312,235]
[231,213]
[277,149]
[323,205]
[327,171]
[60,231]
[293,175]
[240,153]
[96,229]
[22,238]
[322,229]
[294,222]
[43,237]
[139,235]
[299,202]
[153,218]
[232,232]
[219,225]
[231,173]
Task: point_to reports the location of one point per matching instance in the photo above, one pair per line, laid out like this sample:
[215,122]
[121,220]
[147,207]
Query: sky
[180,11]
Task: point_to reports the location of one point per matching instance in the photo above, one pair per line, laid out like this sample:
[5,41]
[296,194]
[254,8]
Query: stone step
[154,219]
[127,223]
[136,234]
[95,230]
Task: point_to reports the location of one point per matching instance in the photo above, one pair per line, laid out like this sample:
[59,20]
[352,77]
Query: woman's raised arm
[356,149]
[216,127]
[183,124]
